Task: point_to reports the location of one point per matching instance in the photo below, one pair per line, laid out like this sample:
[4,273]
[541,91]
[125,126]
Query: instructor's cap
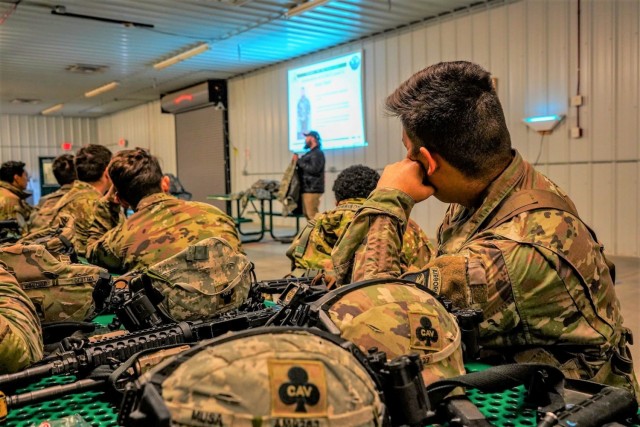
[314,134]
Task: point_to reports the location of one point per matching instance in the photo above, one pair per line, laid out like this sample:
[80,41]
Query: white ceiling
[36,46]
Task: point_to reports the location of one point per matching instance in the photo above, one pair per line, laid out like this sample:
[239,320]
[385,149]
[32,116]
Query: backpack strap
[536,199]
[530,200]
[297,251]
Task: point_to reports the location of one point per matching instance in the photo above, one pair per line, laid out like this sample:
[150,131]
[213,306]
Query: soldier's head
[64,170]
[91,162]
[312,139]
[136,174]
[450,112]
[355,182]
[13,172]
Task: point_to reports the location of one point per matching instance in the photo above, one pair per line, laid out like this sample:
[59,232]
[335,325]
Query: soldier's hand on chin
[407,176]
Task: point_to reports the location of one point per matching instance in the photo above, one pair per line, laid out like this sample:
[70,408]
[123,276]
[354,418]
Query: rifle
[89,353]
[136,302]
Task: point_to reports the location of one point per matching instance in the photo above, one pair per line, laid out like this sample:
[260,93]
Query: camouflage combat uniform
[161,227]
[13,204]
[43,213]
[20,333]
[540,277]
[79,203]
[327,227]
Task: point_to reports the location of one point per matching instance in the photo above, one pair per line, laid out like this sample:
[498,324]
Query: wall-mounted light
[101,89]
[305,7]
[52,109]
[182,56]
[543,124]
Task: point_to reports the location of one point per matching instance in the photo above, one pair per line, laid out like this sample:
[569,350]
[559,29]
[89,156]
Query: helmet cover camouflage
[203,280]
[60,291]
[271,377]
[399,319]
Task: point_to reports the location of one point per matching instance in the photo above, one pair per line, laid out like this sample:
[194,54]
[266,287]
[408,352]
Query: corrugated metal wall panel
[26,138]
[144,126]
[530,46]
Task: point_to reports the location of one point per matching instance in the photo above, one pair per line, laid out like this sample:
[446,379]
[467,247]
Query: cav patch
[298,388]
[424,331]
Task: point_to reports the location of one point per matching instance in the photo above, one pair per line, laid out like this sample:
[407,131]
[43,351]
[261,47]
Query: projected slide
[327,97]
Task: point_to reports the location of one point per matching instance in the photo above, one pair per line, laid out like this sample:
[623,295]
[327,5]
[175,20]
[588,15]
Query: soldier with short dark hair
[511,242]
[20,331]
[311,249]
[65,173]
[13,195]
[90,163]
[161,224]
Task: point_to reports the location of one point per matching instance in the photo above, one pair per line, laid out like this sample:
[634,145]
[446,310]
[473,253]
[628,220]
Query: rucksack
[289,192]
[59,290]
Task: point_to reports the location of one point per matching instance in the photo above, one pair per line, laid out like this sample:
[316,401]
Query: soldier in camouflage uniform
[91,163]
[20,333]
[161,226]
[13,203]
[539,275]
[65,172]
[312,247]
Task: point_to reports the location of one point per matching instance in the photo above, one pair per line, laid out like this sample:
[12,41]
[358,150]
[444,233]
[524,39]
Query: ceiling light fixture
[182,56]
[101,89]
[52,109]
[62,11]
[304,7]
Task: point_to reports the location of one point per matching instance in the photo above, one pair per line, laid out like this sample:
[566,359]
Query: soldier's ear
[428,160]
[165,184]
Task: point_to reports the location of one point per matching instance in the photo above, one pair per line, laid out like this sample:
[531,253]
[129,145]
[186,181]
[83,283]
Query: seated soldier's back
[313,250]
[161,227]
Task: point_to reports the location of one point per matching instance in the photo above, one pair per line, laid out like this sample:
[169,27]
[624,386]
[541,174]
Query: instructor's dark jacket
[311,170]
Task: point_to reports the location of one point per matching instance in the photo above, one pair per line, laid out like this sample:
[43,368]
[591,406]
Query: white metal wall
[531,47]
[144,126]
[25,138]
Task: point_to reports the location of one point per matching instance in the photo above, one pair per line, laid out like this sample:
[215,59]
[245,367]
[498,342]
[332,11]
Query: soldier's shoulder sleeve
[21,344]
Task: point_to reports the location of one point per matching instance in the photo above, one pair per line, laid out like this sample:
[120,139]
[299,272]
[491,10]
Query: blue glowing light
[542,119]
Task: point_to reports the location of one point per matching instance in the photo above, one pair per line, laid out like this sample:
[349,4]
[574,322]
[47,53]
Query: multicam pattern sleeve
[20,333]
[371,245]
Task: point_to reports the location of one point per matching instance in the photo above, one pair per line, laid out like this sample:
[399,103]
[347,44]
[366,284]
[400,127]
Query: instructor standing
[311,170]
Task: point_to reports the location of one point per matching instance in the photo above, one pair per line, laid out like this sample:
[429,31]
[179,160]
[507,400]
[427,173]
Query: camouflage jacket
[326,228]
[540,278]
[43,213]
[20,333]
[79,203]
[161,227]
[13,205]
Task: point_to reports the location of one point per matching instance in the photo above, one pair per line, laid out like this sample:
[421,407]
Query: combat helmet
[203,280]
[270,376]
[397,317]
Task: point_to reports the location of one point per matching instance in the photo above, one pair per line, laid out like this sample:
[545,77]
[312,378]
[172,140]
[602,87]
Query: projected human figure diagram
[304,113]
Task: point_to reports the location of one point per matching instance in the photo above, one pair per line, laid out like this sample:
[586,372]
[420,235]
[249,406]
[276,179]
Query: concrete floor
[271,263]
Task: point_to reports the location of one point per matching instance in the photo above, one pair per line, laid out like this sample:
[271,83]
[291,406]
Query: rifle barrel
[20,400]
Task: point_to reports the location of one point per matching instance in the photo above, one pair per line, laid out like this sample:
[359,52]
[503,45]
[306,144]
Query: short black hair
[64,170]
[9,169]
[135,174]
[91,161]
[452,109]
[356,181]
